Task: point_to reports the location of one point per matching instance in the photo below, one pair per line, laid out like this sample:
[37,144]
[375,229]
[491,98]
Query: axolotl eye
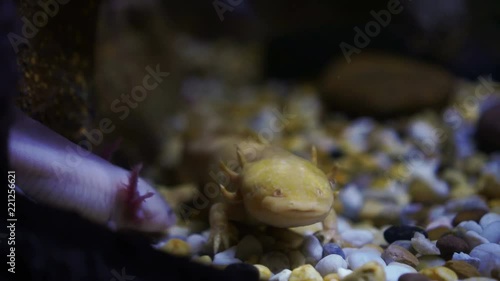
[278,193]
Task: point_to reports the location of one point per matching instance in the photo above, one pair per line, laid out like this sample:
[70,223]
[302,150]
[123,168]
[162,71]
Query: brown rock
[450,244]
[413,277]
[436,233]
[383,85]
[489,186]
[488,129]
[468,215]
[399,254]
[462,269]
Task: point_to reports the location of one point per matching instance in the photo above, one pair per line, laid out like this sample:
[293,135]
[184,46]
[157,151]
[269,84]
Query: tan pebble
[462,269]
[494,203]
[177,247]
[379,213]
[462,191]
[203,259]
[264,272]
[479,279]
[440,273]
[305,273]
[422,192]
[437,232]
[489,187]
[373,246]
[399,254]
[430,261]
[331,277]
[371,271]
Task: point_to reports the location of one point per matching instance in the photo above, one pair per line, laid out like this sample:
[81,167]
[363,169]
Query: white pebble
[395,269]
[343,272]
[226,257]
[247,247]
[423,245]
[342,224]
[357,237]
[281,276]
[492,232]
[178,231]
[489,254]
[466,258]
[367,250]
[359,258]
[330,264]
[352,199]
[469,225]
[489,218]
[312,249]
[275,261]
[197,242]
[441,221]
[474,239]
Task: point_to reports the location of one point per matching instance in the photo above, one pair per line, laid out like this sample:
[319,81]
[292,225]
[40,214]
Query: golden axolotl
[276,188]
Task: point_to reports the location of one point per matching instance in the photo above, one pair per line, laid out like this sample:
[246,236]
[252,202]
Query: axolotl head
[285,191]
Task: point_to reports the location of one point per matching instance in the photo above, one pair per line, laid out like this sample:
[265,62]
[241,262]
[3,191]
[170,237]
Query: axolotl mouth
[283,212]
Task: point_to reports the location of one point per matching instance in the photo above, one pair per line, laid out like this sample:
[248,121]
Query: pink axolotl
[52,170]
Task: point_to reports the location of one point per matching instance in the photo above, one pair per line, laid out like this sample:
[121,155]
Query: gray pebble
[275,261]
[226,257]
[404,244]
[359,258]
[332,248]
[197,243]
[357,237]
[492,232]
[330,264]
[423,245]
[466,258]
[469,225]
[474,239]
[469,203]
[312,249]
[247,247]
[489,218]
[352,200]
[395,269]
[489,254]
[284,275]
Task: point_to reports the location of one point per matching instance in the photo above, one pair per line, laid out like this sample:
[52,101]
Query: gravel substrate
[417,200]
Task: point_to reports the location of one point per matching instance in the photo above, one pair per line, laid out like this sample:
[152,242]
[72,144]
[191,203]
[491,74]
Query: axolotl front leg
[52,170]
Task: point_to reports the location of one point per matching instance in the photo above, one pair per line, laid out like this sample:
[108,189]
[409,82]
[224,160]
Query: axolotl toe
[52,170]
[276,188]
